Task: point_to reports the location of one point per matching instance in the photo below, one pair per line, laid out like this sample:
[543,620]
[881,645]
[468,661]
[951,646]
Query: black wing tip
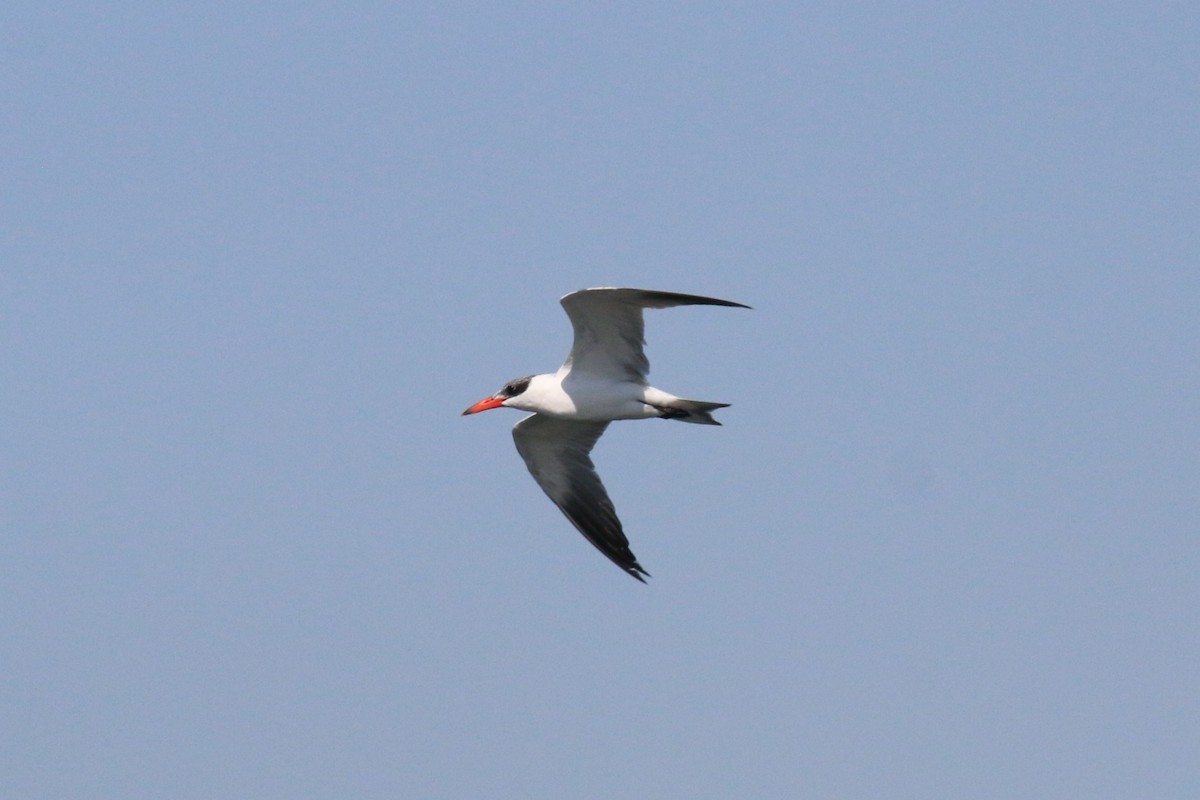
[713,301]
[635,569]
[656,294]
[626,560]
[726,303]
[690,299]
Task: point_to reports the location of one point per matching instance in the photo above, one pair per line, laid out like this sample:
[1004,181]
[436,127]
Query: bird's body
[588,398]
[602,380]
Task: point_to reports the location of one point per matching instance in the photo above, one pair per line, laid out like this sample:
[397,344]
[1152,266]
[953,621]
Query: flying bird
[602,380]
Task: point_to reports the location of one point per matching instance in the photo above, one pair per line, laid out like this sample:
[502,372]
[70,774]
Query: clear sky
[255,259]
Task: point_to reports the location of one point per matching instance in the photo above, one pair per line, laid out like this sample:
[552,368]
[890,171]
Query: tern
[602,380]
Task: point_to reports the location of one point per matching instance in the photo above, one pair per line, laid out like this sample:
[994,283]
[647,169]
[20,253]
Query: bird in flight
[602,380]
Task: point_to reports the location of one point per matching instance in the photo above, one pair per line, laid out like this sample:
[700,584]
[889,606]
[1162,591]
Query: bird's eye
[514,388]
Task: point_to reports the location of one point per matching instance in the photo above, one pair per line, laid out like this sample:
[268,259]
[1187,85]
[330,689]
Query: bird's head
[514,388]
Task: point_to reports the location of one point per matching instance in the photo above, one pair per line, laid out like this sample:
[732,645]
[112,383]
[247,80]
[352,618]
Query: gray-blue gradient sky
[254,261]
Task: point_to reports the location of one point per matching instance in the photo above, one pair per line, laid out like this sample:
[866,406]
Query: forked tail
[696,411]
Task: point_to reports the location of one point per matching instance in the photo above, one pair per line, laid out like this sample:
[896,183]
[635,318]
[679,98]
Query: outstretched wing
[610,332]
[556,452]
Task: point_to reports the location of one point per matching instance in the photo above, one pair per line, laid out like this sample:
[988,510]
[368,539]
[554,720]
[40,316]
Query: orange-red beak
[485,404]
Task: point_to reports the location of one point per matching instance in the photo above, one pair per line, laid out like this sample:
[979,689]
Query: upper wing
[609,330]
[556,452]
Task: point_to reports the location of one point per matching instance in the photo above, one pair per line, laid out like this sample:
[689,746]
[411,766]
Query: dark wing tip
[599,524]
[653,298]
[678,298]
[632,567]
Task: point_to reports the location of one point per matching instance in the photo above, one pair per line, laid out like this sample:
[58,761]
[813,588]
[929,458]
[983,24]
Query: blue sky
[254,261]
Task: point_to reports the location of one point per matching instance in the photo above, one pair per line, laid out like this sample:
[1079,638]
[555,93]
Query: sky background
[255,259]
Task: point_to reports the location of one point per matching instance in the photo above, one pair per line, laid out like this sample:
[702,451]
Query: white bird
[603,379]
